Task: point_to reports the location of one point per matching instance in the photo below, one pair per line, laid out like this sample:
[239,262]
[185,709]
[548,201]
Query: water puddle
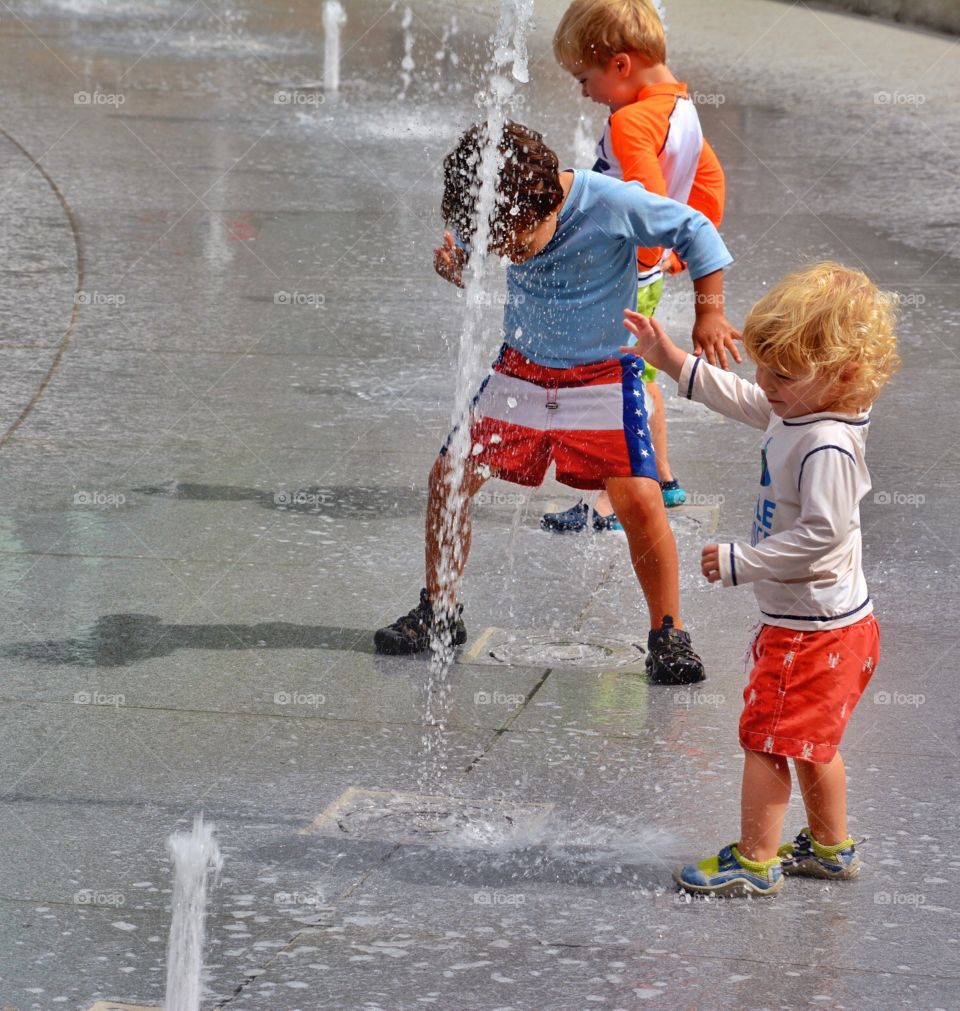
[413,818]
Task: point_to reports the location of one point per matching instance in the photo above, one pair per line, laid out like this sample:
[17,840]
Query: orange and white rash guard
[657,141]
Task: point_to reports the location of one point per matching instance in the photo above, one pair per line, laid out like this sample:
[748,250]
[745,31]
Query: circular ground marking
[518,648]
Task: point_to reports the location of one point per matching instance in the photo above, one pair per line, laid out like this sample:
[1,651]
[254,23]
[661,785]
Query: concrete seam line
[71,324]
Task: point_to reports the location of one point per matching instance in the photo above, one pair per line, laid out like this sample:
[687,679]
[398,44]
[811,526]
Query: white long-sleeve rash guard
[804,556]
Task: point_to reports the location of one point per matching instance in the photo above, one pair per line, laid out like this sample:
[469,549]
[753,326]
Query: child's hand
[710,563]
[449,259]
[713,336]
[653,344]
[673,264]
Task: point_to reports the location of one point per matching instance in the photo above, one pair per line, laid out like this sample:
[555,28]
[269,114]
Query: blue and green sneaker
[730,874]
[673,494]
[807,858]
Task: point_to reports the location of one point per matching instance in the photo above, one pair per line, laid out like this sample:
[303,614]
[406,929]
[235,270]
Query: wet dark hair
[528,188]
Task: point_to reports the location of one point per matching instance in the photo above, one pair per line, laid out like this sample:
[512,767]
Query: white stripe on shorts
[577,408]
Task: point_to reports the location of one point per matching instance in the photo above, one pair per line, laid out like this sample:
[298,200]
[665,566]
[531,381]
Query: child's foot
[807,858]
[730,874]
[673,494]
[574,519]
[670,656]
[411,633]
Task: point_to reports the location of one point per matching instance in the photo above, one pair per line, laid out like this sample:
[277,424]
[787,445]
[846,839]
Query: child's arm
[653,344]
[713,333]
[721,391]
[646,219]
[832,483]
[449,260]
[652,220]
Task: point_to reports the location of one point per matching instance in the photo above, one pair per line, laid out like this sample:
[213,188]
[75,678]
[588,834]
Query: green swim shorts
[648,299]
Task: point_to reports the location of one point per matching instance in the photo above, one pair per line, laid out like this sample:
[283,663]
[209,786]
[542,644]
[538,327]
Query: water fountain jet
[509,64]
[195,854]
[334,18]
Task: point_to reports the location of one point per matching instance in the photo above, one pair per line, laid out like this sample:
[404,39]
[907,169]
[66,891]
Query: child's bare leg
[658,431]
[604,506]
[456,539]
[653,551]
[824,789]
[764,795]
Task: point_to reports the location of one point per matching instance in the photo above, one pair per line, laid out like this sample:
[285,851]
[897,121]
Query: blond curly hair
[832,321]
[591,32]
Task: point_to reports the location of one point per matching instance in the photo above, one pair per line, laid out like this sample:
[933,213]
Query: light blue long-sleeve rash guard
[565,305]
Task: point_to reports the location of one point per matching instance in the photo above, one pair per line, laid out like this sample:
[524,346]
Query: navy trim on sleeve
[817,617]
[815,421]
[839,449]
[733,566]
[693,373]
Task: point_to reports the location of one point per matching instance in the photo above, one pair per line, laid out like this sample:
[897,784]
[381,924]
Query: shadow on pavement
[118,640]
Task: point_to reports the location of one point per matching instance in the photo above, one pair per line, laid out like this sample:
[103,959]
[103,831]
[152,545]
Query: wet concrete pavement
[228,366]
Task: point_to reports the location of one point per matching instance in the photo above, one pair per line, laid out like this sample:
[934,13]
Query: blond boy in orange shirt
[616,50]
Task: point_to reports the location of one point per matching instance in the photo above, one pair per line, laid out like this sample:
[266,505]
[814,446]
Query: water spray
[334,18]
[195,854]
[508,64]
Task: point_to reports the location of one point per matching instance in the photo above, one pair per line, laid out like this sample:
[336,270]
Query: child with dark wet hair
[561,391]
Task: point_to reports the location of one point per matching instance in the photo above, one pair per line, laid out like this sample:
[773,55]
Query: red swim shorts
[804,686]
[590,420]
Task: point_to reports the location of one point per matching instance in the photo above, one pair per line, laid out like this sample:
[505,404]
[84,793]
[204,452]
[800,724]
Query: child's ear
[622,63]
